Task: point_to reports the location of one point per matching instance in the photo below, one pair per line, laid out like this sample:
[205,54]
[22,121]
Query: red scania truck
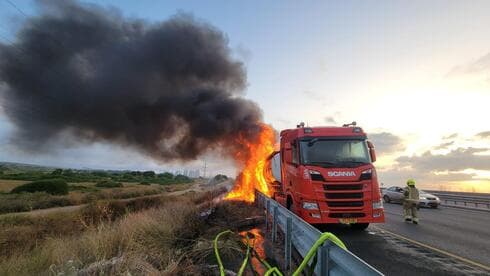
[326,175]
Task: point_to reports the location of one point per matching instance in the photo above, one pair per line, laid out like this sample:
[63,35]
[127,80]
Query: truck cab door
[290,165]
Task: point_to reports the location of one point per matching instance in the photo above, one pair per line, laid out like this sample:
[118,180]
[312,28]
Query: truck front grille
[342,187]
[343,195]
[345,203]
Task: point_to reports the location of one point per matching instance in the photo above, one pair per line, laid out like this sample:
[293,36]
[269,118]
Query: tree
[149,174]
[166,175]
[57,172]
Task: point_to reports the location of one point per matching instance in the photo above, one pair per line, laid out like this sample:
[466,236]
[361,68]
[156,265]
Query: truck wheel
[359,226]
[386,199]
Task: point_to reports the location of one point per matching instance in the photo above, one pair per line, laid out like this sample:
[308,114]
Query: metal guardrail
[460,200]
[332,260]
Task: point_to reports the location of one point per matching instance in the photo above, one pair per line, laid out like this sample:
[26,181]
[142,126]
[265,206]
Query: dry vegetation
[7,185]
[80,193]
[152,235]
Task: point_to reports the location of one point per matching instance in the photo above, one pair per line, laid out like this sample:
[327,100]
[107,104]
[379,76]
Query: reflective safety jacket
[411,194]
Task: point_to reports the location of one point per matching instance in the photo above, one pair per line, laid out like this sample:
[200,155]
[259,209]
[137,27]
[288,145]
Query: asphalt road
[462,232]
[400,248]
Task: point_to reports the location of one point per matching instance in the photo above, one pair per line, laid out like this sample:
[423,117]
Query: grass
[157,235]
[84,186]
[79,194]
[22,232]
[108,184]
[138,238]
[10,203]
[11,172]
[7,185]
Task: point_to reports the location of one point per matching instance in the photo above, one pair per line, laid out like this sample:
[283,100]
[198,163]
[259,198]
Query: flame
[254,159]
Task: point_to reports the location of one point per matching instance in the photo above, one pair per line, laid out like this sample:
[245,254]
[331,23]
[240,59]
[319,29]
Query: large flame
[254,159]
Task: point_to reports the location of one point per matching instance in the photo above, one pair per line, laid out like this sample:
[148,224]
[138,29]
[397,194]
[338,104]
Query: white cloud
[479,65]
[456,160]
[386,143]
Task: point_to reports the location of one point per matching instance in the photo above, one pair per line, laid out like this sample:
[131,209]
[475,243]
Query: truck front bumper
[344,217]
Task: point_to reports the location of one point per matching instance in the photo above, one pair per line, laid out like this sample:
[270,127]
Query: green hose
[274,270]
[216,252]
[323,237]
[244,263]
[263,262]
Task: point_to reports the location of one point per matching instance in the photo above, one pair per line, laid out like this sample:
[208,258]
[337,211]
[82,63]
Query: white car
[395,195]
[428,200]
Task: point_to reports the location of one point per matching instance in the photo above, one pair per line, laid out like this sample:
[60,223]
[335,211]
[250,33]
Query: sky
[414,74]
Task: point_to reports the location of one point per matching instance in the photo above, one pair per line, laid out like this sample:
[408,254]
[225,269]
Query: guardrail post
[274,225]
[323,254]
[267,208]
[287,244]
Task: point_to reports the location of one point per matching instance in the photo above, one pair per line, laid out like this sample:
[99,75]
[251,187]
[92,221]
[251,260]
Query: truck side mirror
[372,152]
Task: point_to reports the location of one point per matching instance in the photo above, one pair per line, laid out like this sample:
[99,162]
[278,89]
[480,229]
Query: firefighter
[410,202]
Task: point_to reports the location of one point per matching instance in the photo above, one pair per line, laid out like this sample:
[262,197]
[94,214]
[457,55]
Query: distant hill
[13,167]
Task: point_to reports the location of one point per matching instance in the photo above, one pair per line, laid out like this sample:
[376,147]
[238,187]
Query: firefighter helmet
[411,182]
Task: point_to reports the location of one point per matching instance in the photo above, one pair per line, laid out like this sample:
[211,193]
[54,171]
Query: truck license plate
[348,220]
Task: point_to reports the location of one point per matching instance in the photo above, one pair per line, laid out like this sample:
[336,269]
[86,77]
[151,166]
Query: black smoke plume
[169,89]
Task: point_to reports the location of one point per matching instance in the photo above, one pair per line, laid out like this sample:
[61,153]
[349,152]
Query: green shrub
[182,179]
[50,186]
[145,183]
[108,184]
[149,174]
[166,175]
[82,188]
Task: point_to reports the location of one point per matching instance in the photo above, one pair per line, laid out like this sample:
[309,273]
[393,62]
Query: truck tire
[359,226]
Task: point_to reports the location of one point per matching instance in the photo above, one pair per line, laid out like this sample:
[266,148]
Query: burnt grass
[228,215]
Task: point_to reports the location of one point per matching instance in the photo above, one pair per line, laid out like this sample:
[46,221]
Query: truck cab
[326,175]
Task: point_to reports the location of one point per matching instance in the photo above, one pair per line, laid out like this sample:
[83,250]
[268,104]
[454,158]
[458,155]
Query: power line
[17,8]
[40,29]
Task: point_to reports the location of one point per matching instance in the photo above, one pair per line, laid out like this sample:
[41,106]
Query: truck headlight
[316,175]
[366,175]
[310,205]
[378,204]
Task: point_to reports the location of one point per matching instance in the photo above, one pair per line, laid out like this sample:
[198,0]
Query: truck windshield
[334,153]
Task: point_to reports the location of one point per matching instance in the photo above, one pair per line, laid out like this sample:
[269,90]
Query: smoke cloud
[170,90]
